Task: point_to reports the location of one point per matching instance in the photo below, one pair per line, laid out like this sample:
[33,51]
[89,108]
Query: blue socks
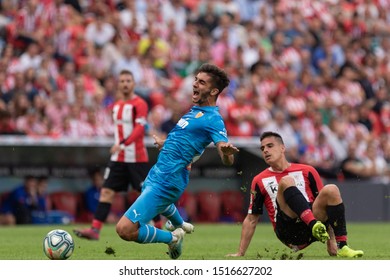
[173,215]
[150,234]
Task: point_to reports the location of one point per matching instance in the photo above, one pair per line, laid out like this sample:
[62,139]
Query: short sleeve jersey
[126,114]
[265,186]
[188,139]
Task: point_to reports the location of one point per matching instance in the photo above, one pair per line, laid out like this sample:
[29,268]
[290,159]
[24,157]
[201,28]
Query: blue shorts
[160,190]
[149,204]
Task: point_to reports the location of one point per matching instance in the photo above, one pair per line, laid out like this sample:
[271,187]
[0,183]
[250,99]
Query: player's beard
[203,98]
[126,93]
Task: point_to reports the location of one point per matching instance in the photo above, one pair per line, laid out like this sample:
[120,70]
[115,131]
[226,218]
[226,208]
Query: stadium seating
[118,206]
[64,201]
[3,197]
[209,206]
[232,206]
[131,197]
[188,204]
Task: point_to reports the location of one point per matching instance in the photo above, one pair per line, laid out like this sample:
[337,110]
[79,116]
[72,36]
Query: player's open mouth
[195,95]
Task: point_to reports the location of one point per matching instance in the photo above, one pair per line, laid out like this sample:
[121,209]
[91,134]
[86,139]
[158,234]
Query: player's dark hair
[267,134]
[126,72]
[219,77]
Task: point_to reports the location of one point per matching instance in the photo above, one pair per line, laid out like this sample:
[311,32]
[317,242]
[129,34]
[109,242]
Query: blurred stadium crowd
[318,72]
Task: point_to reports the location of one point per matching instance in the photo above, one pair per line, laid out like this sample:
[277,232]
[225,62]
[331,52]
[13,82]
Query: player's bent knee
[127,230]
[287,181]
[123,232]
[329,195]
[332,190]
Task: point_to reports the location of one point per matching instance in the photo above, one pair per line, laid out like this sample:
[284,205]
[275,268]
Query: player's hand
[115,148]
[229,149]
[158,142]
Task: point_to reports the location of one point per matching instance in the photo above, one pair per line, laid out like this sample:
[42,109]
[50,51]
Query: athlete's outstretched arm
[248,229]
[226,152]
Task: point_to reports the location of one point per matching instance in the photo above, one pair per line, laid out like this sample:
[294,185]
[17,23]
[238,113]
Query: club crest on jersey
[198,115]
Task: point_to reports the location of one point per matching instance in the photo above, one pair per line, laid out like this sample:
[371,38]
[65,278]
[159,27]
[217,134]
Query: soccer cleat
[319,232]
[347,252]
[175,247]
[187,227]
[87,233]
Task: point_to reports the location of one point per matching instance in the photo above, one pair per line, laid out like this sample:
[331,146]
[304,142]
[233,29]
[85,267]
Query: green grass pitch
[208,242]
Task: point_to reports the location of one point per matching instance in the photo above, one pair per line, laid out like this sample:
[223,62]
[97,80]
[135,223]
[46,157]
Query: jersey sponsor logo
[271,187]
[198,115]
[182,123]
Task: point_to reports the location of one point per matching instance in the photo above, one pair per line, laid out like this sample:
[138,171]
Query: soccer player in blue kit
[169,177]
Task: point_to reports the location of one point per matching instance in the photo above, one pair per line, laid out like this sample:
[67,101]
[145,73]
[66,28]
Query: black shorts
[118,176]
[293,232]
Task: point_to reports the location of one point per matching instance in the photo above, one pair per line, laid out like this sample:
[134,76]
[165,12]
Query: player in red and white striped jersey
[302,210]
[129,162]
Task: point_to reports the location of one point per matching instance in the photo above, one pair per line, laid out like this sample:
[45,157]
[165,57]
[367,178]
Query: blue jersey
[184,145]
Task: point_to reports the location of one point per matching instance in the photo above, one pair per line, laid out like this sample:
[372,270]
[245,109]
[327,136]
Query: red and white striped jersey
[265,186]
[266,89]
[29,21]
[291,56]
[295,105]
[129,118]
